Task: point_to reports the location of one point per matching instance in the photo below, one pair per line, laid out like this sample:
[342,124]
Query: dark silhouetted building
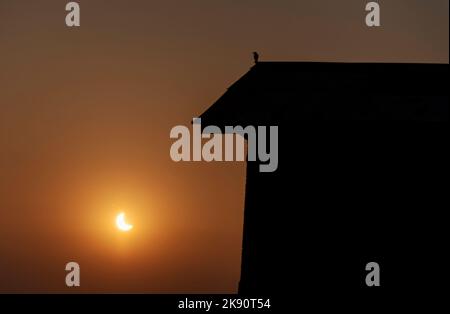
[362,160]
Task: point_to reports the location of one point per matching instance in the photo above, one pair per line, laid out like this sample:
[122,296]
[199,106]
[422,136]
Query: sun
[121,224]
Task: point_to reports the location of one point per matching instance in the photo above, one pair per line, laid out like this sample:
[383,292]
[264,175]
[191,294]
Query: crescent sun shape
[122,224]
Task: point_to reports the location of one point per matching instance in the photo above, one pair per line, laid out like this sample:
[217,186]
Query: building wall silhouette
[361,157]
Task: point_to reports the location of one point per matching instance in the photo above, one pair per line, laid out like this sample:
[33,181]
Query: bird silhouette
[255,57]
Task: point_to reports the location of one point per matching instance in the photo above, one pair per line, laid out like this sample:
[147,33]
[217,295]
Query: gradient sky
[85,116]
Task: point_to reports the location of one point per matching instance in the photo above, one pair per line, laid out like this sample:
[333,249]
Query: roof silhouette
[273,92]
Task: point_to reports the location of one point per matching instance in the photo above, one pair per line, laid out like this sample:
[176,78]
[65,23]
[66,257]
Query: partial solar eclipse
[121,224]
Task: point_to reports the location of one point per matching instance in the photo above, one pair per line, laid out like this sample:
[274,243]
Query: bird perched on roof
[255,57]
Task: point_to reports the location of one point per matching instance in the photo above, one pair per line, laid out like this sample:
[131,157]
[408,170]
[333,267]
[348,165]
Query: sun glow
[121,224]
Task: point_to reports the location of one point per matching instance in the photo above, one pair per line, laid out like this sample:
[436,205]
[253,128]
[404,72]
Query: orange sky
[85,116]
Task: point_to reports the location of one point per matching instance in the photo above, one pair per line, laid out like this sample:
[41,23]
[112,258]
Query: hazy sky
[85,116]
